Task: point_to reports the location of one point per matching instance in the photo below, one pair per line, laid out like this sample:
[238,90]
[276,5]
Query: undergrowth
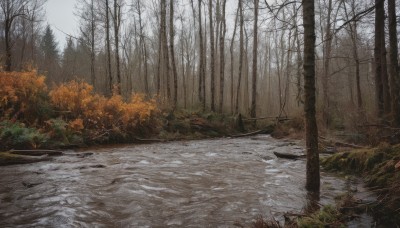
[378,168]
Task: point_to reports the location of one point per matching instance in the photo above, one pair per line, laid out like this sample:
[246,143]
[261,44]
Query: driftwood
[264,131]
[279,119]
[21,159]
[289,156]
[343,144]
[150,140]
[37,152]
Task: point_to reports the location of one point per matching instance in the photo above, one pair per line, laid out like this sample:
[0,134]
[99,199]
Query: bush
[18,136]
[23,96]
[104,118]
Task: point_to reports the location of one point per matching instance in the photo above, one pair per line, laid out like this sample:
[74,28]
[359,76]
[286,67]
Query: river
[204,183]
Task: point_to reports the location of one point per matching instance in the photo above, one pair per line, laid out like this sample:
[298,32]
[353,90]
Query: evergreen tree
[68,61]
[50,55]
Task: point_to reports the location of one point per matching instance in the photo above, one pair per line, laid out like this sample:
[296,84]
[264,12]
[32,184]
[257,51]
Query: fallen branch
[37,153]
[342,144]
[289,156]
[264,131]
[268,117]
[150,140]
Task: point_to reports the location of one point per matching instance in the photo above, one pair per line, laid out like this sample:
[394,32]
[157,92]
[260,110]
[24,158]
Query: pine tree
[50,55]
[68,61]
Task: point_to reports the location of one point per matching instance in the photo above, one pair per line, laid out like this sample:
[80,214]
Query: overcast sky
[60,16]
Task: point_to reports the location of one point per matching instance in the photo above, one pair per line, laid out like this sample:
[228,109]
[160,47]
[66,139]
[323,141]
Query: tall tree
[241,50]
[354,39]
[394,66]
[172,49]
[222,56]
[381,78]
[253,109]
[117,25]
[202,70]
[164,41]
[108,47]
[327,59]
[50,55]
[11,10]
[212,54]
[143,46]
[313,175]
[88,30]
[68,61]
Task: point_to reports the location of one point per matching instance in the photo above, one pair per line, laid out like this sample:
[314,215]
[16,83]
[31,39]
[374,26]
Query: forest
[323,72]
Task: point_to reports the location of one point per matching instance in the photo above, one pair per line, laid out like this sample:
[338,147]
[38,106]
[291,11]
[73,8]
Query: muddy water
[207,183]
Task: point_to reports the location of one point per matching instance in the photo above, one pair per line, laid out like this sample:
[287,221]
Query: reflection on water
[207,183]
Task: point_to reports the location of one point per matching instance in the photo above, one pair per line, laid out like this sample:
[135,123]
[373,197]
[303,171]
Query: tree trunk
[379,33]
[354,37]
[172,49]
[232,60]
[241,47]
[299,61]
[253,111]
[201,59]
[325,80]
[394,66]
[165,47]
[222,56]
[108,44]
[313,175]
[7,37]
[143,46]
[92,46]
[212,54]
[117,24]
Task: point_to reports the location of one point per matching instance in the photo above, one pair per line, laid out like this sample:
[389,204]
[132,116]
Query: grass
[377,167]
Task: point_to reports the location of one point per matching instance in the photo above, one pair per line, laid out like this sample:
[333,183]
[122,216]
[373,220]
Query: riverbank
[173,126]
[380,169]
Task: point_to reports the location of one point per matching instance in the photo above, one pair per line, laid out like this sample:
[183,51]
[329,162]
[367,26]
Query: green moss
[377,166]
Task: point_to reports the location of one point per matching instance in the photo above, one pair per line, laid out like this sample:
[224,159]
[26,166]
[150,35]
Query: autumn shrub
[18,136]
[102,118]
[23,96]
[63,133]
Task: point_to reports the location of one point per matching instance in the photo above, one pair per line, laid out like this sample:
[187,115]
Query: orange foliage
[102,115]
[19,92]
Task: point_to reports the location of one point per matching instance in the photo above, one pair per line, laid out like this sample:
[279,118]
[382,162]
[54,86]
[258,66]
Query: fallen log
[12,159]
[36,153]
[264,131]
[150,140]
[289,156]
[342,144]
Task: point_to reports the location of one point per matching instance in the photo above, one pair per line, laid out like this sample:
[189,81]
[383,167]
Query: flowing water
[205,183]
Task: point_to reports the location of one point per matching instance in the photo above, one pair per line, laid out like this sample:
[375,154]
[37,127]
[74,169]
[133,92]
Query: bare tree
[88,29]
[241,49]
[313,175]
[394,66]
[327,59]
[255,57]
[108,47]
[222,56]
[212,54]
[232,60]
[172,49]
[11,10]
[379,55]
[202,70]
[117,24]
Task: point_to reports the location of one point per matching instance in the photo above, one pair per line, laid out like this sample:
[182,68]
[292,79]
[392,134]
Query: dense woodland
[220,55]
